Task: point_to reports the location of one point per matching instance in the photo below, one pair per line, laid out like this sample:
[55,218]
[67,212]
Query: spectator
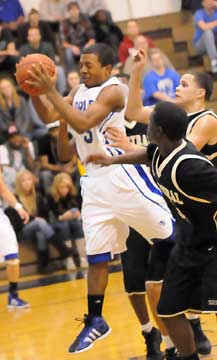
[34,22]
[161,82]
[53,12]
[63,198]
[11,13]
[205,36]
[90,7]
[73,80]
[13,110]
[8,52]
[38,228]
[16,154]
[36,45]
[48,157]
[76,33]
[128,41]
[141,42]
[106,31]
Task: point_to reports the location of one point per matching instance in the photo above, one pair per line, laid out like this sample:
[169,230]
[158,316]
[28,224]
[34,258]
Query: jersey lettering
[83,104]
[172,195]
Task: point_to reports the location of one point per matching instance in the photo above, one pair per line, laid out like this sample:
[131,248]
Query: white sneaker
[69,263]
[83,263]
[214,66]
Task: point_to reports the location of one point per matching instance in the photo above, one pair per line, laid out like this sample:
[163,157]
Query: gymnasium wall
[126,9]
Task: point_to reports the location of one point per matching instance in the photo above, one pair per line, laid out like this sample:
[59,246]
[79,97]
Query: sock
[191,316]
[168,342]
[191,357]
[13,288]
[95,304]
[146,328]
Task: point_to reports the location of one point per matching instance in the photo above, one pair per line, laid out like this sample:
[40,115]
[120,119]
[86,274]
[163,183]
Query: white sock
[192,316]
[147,327]
[168,342]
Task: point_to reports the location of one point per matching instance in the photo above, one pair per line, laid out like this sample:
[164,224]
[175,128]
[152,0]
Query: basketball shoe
[153,341]
[15,302]
[95,328]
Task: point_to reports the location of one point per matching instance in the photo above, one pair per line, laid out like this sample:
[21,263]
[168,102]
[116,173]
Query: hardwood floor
[45,331]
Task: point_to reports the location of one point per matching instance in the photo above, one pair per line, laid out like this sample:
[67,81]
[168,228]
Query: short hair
[73,4]
[104,53]
[171,118]
[205,81]
[33,11]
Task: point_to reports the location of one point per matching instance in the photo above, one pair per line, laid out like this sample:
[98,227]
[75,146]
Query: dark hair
[33,11]
[123,75]
[104,53]
[205,82]
[171,118]
[73,4]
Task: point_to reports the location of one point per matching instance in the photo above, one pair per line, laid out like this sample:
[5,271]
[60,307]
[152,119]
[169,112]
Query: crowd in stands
[47,188]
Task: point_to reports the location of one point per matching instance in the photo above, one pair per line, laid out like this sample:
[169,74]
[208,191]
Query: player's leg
[158,259]
[105,236]
[179,283]
[135,264]
[9,249]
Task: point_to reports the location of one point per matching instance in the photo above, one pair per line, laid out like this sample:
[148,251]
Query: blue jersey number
[88,137]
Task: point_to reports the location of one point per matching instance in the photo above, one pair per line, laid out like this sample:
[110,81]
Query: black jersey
[189,180]
[209,150]
[137,133]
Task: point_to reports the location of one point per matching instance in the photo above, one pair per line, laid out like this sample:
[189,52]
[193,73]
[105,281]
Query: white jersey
[94,141]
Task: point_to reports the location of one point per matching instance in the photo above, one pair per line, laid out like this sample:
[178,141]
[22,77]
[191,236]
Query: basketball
[22,74]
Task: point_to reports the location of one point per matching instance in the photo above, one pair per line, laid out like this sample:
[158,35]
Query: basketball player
[9,246]
[112,197]
[189,181]
[191,94]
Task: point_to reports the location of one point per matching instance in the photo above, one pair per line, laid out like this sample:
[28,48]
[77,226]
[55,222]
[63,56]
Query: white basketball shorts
[117,197]
[8,240]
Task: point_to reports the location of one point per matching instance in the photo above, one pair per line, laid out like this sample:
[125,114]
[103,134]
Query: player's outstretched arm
[135,111]
[135,157]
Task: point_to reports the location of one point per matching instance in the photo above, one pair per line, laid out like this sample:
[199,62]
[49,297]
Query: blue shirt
[10,10]
[201,15]
[166,84]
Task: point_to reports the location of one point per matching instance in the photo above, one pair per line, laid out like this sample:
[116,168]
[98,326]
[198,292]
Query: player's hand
[119,139]
[139,60]
[99,159]
[41,79]
[24,215]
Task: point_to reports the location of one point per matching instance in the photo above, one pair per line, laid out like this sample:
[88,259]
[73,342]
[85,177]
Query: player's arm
[135,157]
[203,131]
[135,109]
[10,199]
[66,148]
[110,99]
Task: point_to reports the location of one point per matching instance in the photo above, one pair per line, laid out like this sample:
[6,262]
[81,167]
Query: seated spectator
[63,197]
[161,82]
[39,128]
[8,52]
[16,154]
[73,80]
[141,42]
[205,36]
[76,33]
[34,22]
[90,7]
[128,41]
[53,12]
[48,157]
[38,229]
[36,45]
[13,110]
[106,31]
[11,13]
